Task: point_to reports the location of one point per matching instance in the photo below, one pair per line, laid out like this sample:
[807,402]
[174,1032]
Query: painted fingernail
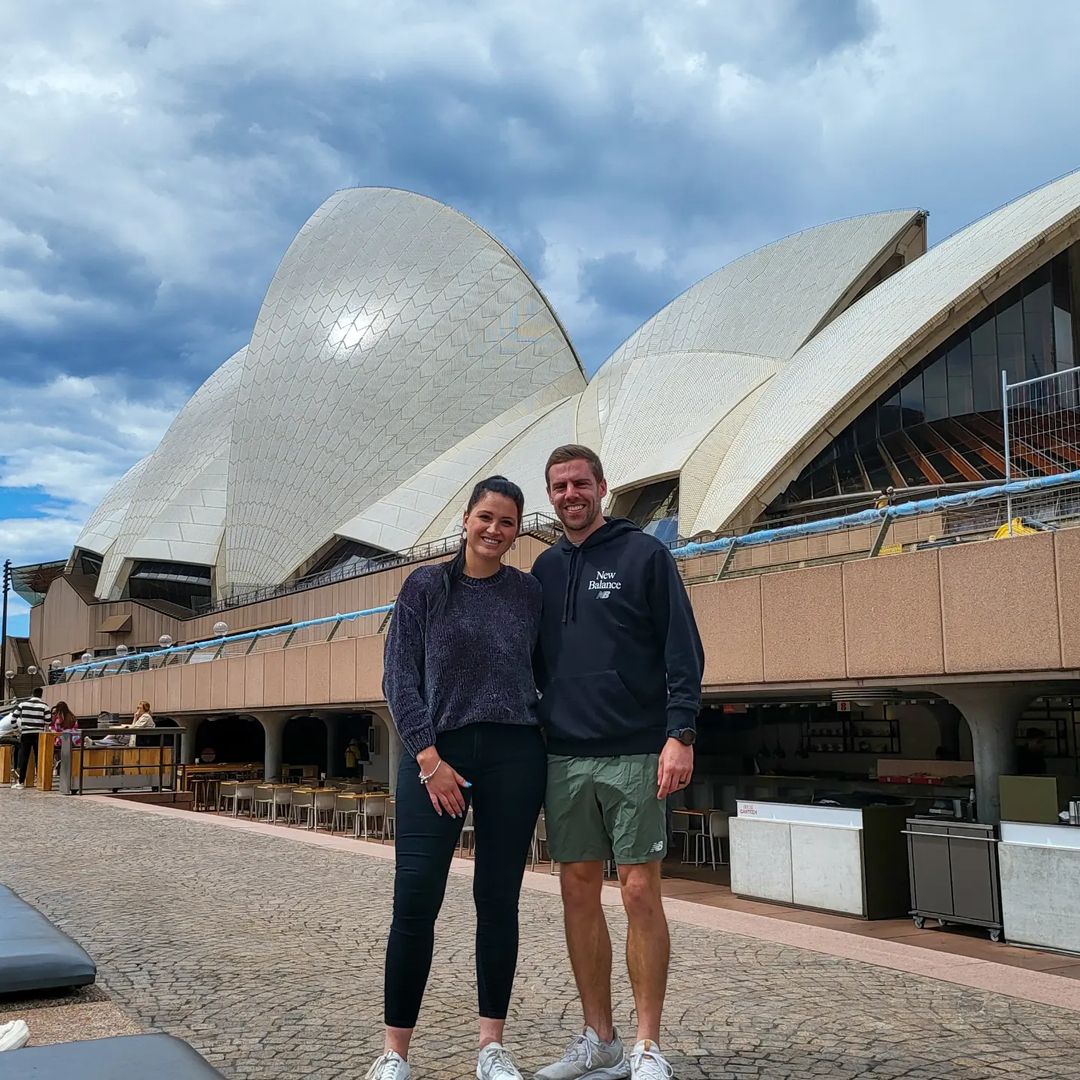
[466,784]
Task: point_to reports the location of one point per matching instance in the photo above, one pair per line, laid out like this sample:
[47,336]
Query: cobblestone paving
[266,954]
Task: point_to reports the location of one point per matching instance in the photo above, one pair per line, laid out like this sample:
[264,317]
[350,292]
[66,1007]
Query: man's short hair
[37,691]
[574,452]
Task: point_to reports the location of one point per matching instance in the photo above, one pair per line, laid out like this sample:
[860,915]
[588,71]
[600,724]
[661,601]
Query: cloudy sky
[156,166]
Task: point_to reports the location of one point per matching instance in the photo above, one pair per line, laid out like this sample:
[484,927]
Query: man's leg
[648,946]
[588,942]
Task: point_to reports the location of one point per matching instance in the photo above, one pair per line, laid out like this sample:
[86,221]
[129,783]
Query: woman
[142,718]
[458,679]
[63,719]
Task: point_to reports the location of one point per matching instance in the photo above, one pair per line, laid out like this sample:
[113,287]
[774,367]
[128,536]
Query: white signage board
[835,817]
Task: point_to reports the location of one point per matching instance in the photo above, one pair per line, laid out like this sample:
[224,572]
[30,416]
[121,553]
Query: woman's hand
[444,787]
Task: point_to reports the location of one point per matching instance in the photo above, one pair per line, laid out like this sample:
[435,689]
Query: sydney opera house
[402,352]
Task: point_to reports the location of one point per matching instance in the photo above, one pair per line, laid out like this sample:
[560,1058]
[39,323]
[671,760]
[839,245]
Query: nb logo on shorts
[658,846]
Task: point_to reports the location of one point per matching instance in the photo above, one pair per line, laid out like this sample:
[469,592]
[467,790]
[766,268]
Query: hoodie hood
[612,529]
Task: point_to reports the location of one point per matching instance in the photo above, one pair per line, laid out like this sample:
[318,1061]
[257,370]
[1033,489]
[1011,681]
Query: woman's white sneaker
[647,1063]
[391,1066]
[495,1063]
[589,1058]
[14,1034]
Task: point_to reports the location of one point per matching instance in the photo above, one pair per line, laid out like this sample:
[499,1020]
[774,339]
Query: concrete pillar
[273,725]
[991,711]
[392,743]
[189,727]
[334,761]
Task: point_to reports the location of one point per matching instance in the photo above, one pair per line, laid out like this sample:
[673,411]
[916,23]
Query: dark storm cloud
[156,167]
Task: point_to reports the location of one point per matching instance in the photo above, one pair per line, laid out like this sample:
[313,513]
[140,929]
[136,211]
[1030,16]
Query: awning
[115,624]
[32,582]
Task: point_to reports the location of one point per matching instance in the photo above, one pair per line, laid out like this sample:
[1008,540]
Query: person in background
[32,716]
[142,718]
[459,683]
[352,759]
[63,719]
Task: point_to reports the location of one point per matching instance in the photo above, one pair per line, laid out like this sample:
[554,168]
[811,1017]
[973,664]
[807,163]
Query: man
[32,716]
[619,665]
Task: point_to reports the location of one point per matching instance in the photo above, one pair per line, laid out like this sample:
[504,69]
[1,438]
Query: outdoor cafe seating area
[363,809]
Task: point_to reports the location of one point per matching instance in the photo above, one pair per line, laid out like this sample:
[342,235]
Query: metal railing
[1047,502]
[152,763]
[537,524]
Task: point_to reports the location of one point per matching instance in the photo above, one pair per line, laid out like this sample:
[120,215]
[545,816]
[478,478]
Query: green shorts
[600,808]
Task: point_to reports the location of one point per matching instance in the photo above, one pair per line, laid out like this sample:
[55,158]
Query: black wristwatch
[686,735]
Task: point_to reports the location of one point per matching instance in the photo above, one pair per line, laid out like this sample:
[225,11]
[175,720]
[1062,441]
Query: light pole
[3,622]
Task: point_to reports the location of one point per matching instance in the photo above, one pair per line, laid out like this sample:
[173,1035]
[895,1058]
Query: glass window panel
[912,409]
[1010,316]
[958,366]
[912,474]
[889,415]
[866,427]
[974,459]
[849,474]
[946,469]
[934,390]
[1063,339]
[1038,331]
[876,469]
[1011,355]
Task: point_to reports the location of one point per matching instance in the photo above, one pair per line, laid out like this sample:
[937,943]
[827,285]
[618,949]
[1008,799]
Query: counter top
[1063,837]
[836,817]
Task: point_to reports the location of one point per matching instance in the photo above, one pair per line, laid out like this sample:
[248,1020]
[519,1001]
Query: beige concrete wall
[991,607]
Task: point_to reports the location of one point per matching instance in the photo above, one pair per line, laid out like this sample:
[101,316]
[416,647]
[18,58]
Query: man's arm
[684,659]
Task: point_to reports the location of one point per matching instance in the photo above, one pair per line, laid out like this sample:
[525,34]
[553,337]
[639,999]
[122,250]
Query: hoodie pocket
[594,706]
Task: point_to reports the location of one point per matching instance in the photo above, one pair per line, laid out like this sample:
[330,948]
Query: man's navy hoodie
[619,661]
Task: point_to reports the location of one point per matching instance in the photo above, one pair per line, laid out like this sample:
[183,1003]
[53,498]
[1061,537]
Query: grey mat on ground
[34,954]
[162,1057]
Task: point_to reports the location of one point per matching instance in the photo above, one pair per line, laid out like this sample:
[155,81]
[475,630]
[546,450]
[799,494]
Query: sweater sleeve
[677,632]
[403,672]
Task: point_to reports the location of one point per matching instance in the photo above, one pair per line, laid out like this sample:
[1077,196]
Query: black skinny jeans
[507,766]
[28,741]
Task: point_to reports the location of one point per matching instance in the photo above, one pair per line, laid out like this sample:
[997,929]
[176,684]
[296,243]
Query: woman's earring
[464,534]
[513,546]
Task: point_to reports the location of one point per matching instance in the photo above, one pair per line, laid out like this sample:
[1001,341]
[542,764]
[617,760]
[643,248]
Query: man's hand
[676,768]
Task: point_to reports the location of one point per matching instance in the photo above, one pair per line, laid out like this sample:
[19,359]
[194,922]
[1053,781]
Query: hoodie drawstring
[572,573]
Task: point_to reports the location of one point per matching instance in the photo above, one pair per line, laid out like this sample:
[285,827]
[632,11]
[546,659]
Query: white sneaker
[495,1063]
[588,1058]
[16,786]
[647,1063]
[391,1066]
[14,1034]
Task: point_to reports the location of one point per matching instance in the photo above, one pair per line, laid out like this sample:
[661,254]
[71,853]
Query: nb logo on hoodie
[604,582]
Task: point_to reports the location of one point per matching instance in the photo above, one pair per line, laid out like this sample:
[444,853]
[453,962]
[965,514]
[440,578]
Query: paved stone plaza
[266,954]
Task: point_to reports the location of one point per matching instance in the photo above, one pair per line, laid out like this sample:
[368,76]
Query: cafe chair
[467,839]
[227,795]
[264,800]
[708,843]
[324,808]
[346,806]
[245,793]
[372,814]
[282,807]
[389,823]
[303,805]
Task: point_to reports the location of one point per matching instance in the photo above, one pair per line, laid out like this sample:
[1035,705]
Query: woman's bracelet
[424,778]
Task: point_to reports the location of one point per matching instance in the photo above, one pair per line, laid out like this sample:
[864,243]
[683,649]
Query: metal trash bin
[953,870]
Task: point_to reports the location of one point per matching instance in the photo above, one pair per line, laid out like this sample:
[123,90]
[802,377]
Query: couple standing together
[604,630]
